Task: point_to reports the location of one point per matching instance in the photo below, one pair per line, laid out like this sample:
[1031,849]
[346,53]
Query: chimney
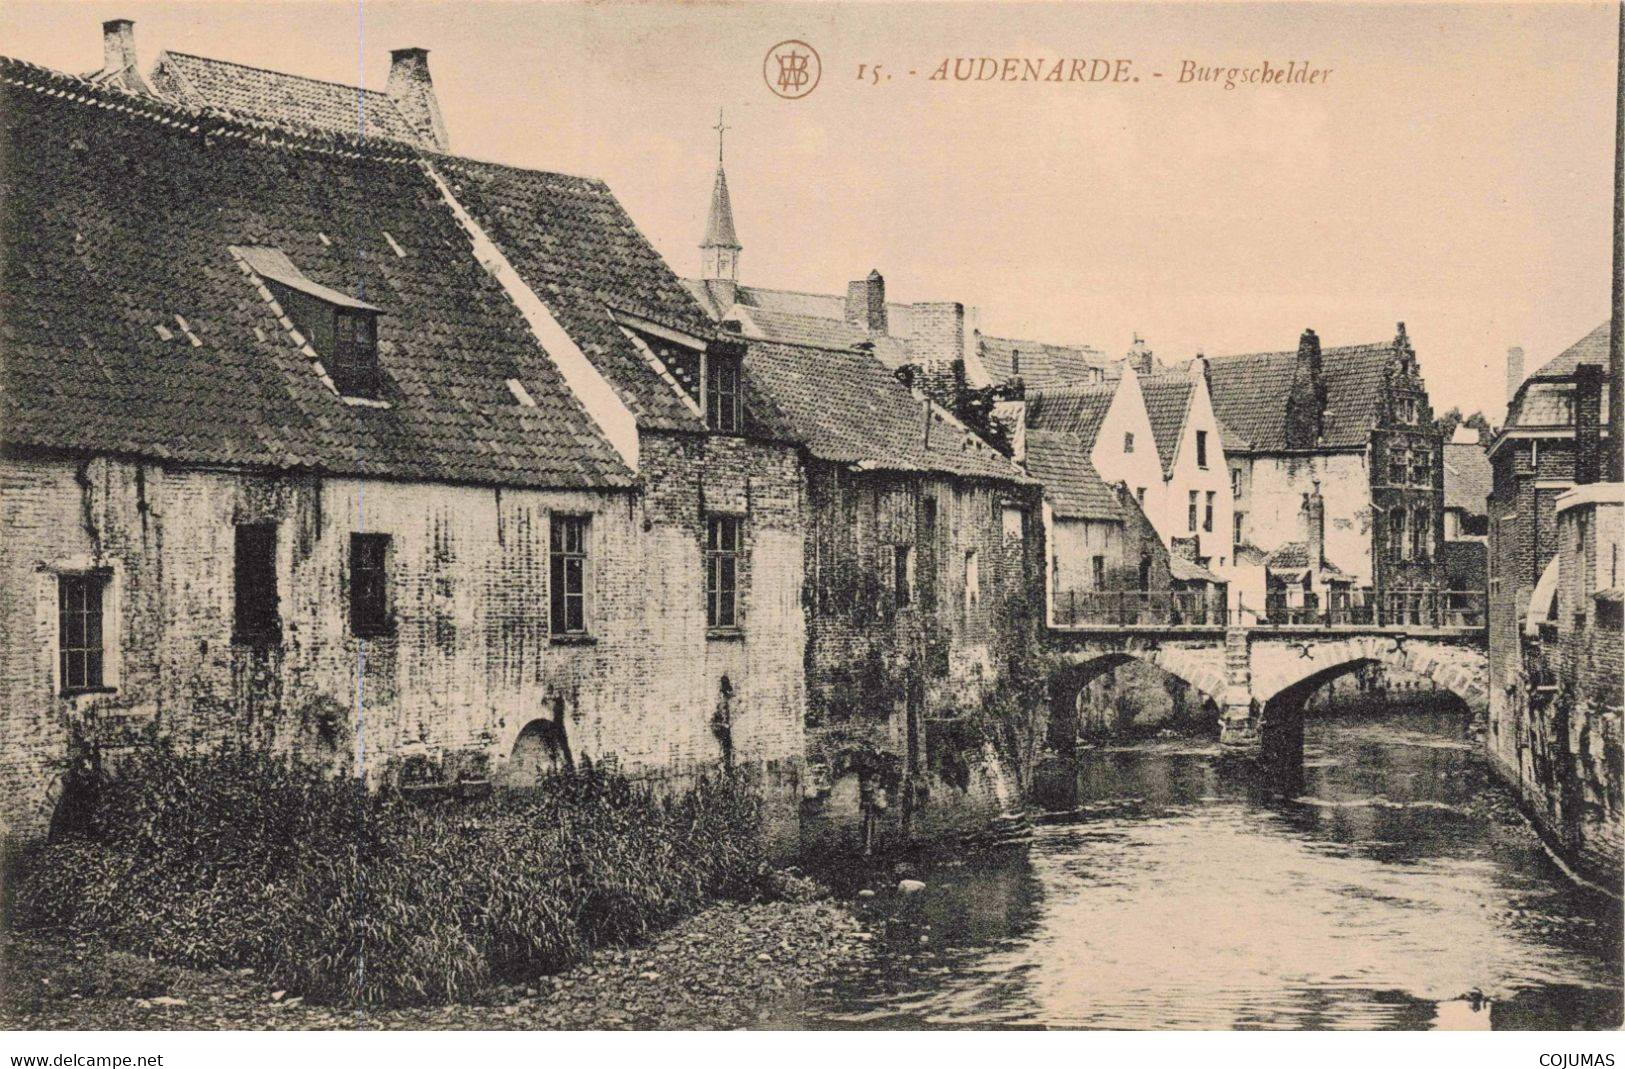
[1587,423]
[118,45]
[1514,372]
[1140,358]
[866,303]
[1307,408]
[1314,523]
[413,93]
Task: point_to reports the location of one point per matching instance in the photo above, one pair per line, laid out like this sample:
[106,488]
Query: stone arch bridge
[1258,677]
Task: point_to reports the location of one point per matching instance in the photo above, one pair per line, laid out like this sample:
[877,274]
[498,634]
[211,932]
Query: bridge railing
[1356,607]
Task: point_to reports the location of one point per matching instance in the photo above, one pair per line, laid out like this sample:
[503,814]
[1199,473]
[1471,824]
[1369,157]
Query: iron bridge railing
[1361,607]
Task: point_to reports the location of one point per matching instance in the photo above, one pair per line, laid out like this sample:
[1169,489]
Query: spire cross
[720,127]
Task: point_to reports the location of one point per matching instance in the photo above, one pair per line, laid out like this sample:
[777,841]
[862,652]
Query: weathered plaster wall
[1273,502]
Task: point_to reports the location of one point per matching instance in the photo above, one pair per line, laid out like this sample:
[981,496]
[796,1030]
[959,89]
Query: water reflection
[1181,895]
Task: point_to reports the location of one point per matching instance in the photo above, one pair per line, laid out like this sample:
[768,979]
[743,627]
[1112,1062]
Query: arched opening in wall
[1123,696]
[1364,718]
[541,749]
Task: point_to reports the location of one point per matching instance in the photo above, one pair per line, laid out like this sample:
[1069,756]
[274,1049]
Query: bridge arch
[1199,669]
[1291,669]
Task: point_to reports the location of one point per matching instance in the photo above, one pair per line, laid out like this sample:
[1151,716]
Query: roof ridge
[268,70]
[1374,345]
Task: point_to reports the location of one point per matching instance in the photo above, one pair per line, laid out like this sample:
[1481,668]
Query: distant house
[1554,438]
[1197,501]
[1467,484]
[1110,422]
[1356,421]
[1107,564]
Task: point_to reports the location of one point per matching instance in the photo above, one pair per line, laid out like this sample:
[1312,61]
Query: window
[79,630]
[1422,467]
[1240,524]
[1145,572]
[1128,441]
[1098,564]
[256,617]
[722,393]
[369,585]
[1534,454]
[1235,483]
[1396,534]
[1201,449]
[1192,517]
[902,575]
[973,581]
[723,544]
[1207,514]
[354,366]
[1139,496]
[1421,530]
[1399,464]
[567,574]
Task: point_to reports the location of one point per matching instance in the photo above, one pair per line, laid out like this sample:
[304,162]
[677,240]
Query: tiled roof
[578,250]
[1295,556]
[1072,486]
[1078,411]
[1467,478]
[1042,366]
[1540,400]
[1251,393]
[1167,401]
[287,99]
[846,406]
[129,327]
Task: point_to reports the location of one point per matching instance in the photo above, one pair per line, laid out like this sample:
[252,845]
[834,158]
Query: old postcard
[903,516]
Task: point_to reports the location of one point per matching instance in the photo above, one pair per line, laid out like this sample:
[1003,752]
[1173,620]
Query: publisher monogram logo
[792,69]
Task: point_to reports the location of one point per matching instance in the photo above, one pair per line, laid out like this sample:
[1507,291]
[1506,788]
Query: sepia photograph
[674,517]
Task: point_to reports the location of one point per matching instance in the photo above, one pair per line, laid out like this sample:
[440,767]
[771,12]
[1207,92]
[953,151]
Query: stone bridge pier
[1257,679]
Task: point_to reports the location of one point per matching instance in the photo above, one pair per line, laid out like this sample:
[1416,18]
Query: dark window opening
[567,574]
[79,630]
[354,367]
[1145,573]
[1192,516]
[1201,449]
[1128,441]
[902,588]
[724,542]
[1097,565]
[722,393]
[1240,522]
[256,611]
[369,585]
[1207,515]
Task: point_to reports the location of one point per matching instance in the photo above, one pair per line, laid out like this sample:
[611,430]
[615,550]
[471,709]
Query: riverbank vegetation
[237,859]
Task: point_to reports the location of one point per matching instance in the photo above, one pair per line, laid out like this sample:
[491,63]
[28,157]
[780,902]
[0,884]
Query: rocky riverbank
[726,967]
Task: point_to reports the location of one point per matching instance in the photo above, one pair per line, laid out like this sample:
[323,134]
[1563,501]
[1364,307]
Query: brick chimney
[1307,408]
[118,57]
[1514,373]
[1314,530]
[1140,358]
[866,303]
[413,93]
[1587,423]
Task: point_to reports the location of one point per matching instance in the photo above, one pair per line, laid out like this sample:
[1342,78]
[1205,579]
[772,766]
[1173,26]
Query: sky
[1453,170]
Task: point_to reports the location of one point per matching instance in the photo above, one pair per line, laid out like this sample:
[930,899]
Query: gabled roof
[1251,392]
[847,407]
[1072,486]
[578,250]
[1167,404]
[289,99]
[1078,411]
[1467,478]
[1541,400]
[128,327]
[1040,365]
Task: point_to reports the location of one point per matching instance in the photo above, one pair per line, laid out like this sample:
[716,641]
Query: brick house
[1553,439]
[923,556]
[1355,422]
[1467,484]
[423,468]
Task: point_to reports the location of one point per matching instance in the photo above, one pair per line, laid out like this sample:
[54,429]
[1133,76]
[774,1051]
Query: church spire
[720,249]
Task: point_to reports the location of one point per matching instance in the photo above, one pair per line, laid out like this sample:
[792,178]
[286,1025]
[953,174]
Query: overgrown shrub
[235,858]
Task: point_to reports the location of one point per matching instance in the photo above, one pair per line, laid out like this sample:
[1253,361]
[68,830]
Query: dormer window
[334,329]
[722,408]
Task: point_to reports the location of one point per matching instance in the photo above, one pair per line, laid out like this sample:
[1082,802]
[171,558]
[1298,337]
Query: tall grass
[235,858]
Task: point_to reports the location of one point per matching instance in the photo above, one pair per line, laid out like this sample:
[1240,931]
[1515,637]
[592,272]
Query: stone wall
[469,662]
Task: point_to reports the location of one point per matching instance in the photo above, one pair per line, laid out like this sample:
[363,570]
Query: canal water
[1396,891]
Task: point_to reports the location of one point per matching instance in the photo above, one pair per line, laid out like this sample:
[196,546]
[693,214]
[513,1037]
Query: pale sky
[1454,170]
